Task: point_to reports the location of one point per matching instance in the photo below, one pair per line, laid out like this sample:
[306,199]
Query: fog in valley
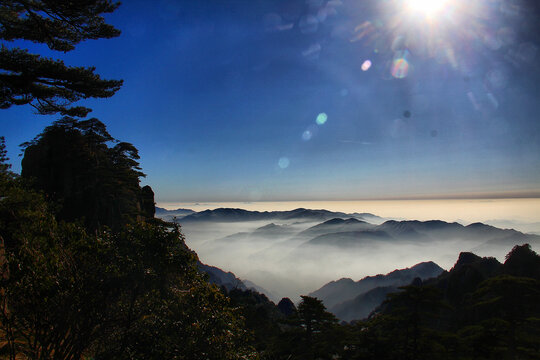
[296,256]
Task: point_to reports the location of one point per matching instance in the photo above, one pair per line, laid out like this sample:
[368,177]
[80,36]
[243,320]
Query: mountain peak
[268,227]
[466,258]
[336,221]
[427,267]
[523,261]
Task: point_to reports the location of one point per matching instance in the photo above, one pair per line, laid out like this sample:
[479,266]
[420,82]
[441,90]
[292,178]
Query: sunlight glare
[428,7]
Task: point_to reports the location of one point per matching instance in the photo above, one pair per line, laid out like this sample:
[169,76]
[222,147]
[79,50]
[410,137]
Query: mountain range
[239,215]
[351,300]
[343,230]
[351,232]
[171,215]
[347,233]
[290,253]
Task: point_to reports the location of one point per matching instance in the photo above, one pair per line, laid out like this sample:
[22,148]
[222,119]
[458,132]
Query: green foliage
[522,261]
[72,163]
[503,318]
[407,328]
[262,317]
[4,166]
[131,293]
[310,333]
[166,308]
[313,317]
[497,317]
[46,84]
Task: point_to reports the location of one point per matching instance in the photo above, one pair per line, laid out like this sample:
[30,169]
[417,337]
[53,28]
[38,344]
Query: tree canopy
[73,164]
[47,84]
[134,292]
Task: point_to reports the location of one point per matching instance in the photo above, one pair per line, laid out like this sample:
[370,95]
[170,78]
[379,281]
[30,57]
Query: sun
[428,7]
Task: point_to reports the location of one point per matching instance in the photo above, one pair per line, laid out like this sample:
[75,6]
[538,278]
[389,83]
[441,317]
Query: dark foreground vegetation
[106,280]
[100,281]
[87,272]
[480,309]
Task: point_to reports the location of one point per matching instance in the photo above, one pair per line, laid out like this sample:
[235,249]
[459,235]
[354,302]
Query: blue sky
[221,98]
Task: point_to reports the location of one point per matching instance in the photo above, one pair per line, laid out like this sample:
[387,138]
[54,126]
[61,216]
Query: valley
[295,252]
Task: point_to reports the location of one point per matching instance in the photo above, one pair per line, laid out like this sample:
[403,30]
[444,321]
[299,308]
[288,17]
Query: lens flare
[366,65]
[321,118]
[306,135]
[400,68]
[284,162]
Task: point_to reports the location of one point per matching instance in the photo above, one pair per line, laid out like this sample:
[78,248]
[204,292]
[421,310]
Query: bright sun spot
[428,7]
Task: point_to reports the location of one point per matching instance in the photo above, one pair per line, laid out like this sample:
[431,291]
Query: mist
[275,255]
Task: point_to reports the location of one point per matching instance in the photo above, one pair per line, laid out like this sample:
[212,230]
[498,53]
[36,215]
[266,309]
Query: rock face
[72,164]
[147,204]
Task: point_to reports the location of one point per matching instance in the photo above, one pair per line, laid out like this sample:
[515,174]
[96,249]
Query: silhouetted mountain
[468,272]
[222,278]
[337,292]
[267,233]
[235,237]
[465,277]
[72,164]
[336,225]
[361,306]
[370,218]
[344,233]
[501,236]
[172,215]
[179,212]
[273,230]
[401,230]
[252,286]
[224,215]
[286,306]
[237,215]
[311,215]
[474,279]
[350,239]
[522,261]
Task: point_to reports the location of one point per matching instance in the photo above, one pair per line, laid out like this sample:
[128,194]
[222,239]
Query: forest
[88,271]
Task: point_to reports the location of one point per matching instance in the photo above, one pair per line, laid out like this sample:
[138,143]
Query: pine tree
[4,166]
[47,84]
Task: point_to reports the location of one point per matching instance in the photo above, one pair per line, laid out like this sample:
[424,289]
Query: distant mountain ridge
[341,296]
[171,215]
[287,238]
[355,233]
[336,225]
[237,215]
[472,271]
[456,285]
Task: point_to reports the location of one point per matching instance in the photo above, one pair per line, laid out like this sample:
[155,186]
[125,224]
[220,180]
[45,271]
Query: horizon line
[478,196]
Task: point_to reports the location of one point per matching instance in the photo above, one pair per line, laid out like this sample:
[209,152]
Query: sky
[284,100]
